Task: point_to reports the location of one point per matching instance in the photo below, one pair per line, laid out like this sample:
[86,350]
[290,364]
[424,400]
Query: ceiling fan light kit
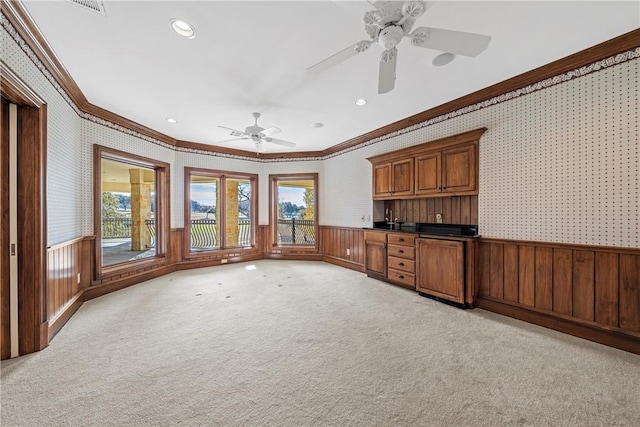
[389,24]
[443,59]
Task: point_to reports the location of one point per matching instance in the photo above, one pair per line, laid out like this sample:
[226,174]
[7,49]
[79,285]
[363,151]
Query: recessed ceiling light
[172,121]
[183,28]
[317,125]
[443,59]
[360,102]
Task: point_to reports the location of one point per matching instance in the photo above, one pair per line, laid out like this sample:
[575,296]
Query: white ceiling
[253,56]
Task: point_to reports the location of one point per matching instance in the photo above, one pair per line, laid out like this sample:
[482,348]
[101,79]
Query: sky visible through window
[203,193]
[294,195]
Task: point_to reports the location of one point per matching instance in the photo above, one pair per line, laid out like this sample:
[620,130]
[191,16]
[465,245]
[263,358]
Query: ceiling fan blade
[458,42]
[234,132]
[230,140]
[387,73]
[280,142]
[271,131]
[339,57]
[413,9]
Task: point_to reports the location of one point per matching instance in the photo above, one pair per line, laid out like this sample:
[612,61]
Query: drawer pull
[401,264]
[400,276]
[401,239]
[400,251]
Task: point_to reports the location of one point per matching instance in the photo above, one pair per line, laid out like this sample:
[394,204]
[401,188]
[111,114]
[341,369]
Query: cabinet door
[459,169]
[376,258]
[381,180]
[428,174]
[402,177]
[441,269]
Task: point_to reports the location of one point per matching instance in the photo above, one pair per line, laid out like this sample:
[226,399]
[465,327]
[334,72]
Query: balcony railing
[116,228]
[203,231]
[204,235]
[296,231]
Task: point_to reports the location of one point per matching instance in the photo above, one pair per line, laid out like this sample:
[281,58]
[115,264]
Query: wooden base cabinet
[375,243]
[441,267]
[401,265]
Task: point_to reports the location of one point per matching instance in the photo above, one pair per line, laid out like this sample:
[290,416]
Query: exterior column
[140,210]
[231,213]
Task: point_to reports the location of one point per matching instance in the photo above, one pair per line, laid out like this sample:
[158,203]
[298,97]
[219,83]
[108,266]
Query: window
[294,209]
[220,210]
[130,202]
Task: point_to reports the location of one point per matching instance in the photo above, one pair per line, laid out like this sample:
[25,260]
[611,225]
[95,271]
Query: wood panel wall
[334,242]
[588,285]
[594,287]
[454,209]
[63,268]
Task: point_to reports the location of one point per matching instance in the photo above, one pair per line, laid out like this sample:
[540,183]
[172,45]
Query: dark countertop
[429,230]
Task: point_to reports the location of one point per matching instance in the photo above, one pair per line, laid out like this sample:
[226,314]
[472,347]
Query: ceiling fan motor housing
[253,130]
[390,36]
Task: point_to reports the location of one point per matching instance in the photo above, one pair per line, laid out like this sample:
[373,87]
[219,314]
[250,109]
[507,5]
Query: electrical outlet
[348,251]
[439,218]
[224,261]
[362,219]
[78,278]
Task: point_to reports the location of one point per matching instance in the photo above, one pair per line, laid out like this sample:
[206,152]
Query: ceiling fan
[388,24]
[258,135]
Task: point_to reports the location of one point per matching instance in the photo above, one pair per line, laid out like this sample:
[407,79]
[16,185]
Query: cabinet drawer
[402,277]
[375,236]
[402,264]
[407,252]
[401,239]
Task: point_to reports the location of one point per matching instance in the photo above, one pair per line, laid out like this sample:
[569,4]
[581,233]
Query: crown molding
[16,13]
[620,44]
[525,83]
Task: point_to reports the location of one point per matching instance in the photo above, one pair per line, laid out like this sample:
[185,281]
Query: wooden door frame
[32,211]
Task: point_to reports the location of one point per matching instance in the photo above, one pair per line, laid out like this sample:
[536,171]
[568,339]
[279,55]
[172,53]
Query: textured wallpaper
[558,163]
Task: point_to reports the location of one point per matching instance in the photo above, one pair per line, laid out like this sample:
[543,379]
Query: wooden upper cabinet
[402,177]
[447,172]
[446,167]
[382,180]
[459,169]
[428,174]
[393,179]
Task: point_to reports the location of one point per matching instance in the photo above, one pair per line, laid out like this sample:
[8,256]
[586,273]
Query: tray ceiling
[253,56]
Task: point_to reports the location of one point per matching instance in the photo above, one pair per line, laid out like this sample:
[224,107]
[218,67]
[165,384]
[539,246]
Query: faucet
[391,221]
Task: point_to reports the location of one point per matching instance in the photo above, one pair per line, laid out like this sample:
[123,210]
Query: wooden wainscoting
[67,276]
[454,209]
[271,251]
[589,291]
[176,245]
[213,258]
[334,243]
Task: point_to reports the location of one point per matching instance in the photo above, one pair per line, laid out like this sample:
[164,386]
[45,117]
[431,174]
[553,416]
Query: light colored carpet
[305,344]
